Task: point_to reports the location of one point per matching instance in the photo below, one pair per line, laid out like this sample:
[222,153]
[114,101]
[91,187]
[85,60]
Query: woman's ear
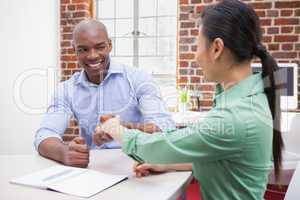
[217,48]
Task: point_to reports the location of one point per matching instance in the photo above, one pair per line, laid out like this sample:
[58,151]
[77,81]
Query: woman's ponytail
[269,68]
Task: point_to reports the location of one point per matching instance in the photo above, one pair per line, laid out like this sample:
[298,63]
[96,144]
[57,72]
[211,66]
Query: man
[102,87]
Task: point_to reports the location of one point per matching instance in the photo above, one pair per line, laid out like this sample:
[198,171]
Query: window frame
[135,35]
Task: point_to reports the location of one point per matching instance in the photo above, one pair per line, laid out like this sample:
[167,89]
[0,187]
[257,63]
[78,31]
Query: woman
[233,149]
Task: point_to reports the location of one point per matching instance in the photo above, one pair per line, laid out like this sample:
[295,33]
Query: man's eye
[80,50]
[100,47]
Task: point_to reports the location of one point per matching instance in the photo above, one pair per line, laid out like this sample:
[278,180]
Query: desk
[162,186]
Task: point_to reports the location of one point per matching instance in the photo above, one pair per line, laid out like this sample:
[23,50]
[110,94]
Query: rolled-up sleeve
[56,119]
[151,103]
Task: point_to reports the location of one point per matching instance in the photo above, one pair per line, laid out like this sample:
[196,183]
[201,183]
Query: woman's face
[208,55]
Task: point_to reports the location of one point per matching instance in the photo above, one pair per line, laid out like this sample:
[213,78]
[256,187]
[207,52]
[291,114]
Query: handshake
[76,153]
[107,130]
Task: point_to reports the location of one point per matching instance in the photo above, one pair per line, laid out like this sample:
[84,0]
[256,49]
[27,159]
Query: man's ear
[73,46]
[217,48]
[109,44]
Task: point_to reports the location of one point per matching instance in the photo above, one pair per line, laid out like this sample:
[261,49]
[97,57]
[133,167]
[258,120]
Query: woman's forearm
[179,167]
[145,127]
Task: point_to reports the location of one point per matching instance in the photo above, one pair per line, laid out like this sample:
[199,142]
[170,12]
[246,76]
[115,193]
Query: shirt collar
[250,86]
[114,68]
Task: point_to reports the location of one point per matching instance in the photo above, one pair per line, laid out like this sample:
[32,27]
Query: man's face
[92,48]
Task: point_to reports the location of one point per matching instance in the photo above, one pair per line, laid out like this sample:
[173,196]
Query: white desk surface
[163,186]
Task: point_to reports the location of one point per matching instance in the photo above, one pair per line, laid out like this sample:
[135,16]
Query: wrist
[64,148]
[168,168]
[128,125]
[122,130]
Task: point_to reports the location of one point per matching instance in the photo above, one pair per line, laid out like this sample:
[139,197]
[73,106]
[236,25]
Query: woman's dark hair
[237,24]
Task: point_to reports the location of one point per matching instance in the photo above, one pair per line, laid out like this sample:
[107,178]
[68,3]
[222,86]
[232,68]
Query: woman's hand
[146,168]
[113,128]
[100,137]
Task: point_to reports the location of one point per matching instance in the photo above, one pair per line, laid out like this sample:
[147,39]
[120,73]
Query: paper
[70,180]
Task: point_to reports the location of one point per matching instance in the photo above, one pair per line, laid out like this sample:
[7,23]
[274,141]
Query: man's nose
[93,54]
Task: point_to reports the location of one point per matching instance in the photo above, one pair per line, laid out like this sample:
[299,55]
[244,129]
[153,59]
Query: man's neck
[97,79]
[103,73]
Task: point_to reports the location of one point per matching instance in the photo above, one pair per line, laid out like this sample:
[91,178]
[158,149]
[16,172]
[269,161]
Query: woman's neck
[236,74]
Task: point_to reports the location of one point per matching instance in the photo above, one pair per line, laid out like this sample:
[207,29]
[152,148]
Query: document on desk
[70,180]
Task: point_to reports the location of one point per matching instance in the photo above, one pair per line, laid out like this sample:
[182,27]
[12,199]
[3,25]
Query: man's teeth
[96,64]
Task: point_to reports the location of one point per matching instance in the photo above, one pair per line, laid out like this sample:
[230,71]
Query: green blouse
[231,148]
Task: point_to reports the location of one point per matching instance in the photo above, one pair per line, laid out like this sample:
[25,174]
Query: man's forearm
[53,148]
[145,127]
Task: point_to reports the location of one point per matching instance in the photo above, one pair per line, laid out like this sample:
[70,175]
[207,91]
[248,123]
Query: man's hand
[113,128]
[100,137]
[104,118]
[76,153]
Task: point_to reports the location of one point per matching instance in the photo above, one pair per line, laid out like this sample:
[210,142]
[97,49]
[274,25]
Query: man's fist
[77,153]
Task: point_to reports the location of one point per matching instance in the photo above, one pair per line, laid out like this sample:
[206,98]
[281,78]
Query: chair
[293,191]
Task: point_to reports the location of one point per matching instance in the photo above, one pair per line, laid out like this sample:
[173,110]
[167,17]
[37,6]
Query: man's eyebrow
[100,43]
[81,46]
[84,46]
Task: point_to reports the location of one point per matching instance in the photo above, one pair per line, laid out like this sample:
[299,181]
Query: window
[143,34]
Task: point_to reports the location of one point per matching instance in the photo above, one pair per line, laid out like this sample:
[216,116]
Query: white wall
[29,33]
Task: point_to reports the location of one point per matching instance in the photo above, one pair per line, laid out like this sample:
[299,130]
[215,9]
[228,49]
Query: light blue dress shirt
[125,91]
